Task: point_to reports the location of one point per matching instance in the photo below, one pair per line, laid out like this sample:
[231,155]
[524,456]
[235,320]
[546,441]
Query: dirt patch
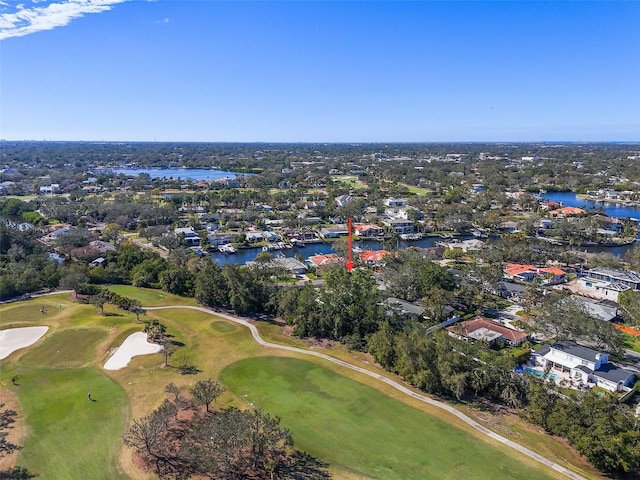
[15,431]
[314,342]
[288,331]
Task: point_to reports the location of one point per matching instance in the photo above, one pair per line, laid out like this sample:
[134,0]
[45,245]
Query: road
[402,388]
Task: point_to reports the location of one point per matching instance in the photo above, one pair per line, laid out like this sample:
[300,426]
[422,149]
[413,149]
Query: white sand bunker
[13,339]
[135,344]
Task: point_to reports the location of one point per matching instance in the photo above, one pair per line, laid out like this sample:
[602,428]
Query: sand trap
[135,344]
[13,339]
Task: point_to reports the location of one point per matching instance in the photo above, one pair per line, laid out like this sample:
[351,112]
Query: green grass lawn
[71,437]
[223,327]
[416,190]
[357,427]
[149,296]
[353,182]
[630,342]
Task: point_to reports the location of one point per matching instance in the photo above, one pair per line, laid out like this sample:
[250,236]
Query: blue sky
[319,71]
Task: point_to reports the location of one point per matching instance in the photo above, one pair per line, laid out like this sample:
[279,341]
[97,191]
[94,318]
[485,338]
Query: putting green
[360,429]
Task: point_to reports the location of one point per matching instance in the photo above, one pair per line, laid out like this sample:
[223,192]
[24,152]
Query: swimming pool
[540,374]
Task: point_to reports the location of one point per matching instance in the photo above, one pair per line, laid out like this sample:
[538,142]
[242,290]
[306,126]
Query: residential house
[221,238]
[102,246]
[368,230]
[190,237]
[480,328]
[98,262]
[296,267]
[344,200]
[399,226]
[315,204]
[512,291]
[49,189]
[605,310]
[395,202]
[465,245]
[584,365]
[403,307]
[372,257]
[529,273]
[607,283]
[565,212]
[323,260]
[334,232]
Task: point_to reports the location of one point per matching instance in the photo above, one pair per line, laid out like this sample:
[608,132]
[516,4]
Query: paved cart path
[398,386]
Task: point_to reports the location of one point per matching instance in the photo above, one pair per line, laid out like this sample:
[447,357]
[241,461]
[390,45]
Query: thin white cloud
[31,19]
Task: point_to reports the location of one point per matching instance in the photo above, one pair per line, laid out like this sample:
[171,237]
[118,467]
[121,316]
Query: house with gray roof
[601,309]
[584,365]
[607,283]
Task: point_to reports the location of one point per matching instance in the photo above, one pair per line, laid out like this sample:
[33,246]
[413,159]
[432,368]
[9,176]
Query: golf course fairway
[360,429]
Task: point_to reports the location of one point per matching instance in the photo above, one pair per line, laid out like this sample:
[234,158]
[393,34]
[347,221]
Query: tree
[136,308]
[168,349]
[564,317]
[211,287]
[234,444]
[155,330]
[73,280]
[98,300]
[206,392]
[629,302]
[7,419]
[153,439]
[16,473]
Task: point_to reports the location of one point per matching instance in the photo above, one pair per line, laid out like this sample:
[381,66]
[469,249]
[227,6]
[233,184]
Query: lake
[570,199]
[195,174]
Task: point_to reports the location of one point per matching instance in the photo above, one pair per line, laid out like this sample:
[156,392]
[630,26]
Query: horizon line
[319,142]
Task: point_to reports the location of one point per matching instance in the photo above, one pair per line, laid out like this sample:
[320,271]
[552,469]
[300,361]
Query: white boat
[227,248]
[410,236]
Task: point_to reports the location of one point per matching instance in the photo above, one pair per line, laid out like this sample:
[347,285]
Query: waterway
[570,199]
[249,254]
[195,174]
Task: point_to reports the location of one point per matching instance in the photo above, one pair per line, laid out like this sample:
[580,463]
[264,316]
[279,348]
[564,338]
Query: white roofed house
[400,226]
[395,202]
[344,200]
[584,364]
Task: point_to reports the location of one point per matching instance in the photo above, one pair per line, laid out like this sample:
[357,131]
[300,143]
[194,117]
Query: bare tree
[206,392]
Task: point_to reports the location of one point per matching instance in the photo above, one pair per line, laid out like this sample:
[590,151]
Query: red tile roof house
[322,260]
[368,230]
[567,212]
[372,257]
[480,328]
[527,273]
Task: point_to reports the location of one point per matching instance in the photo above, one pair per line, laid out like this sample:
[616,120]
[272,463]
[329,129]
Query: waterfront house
[400,226]
[323,260]
[368,230]
[189,236]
